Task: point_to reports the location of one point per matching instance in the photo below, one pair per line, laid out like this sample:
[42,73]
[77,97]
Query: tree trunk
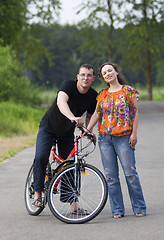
[110,48]
[148,75]
[148,54]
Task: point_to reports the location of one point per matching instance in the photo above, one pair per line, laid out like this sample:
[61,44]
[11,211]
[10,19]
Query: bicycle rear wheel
[29,195]
[91,195]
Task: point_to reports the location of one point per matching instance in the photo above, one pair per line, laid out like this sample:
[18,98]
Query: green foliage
[15,18]
[61,42]
[13,83]
[17,119]
[32,52]
[12,19]
[142,38]
[138,45]
[72,46]
[45,10]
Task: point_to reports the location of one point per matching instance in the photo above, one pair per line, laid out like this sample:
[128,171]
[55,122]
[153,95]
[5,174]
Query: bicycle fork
[77,170]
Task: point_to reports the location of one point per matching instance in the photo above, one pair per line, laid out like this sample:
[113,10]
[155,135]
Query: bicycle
[72,181]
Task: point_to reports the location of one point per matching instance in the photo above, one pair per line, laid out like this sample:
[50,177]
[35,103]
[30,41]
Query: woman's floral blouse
[117,111]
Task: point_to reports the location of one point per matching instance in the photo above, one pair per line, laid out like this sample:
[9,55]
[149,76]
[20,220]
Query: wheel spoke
[92,194]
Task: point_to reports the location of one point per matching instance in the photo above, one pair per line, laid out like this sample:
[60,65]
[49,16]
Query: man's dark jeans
[44,144]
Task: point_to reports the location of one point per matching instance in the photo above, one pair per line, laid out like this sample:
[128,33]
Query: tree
[67,54]
[143,37]
[15,27]
[138,43]
[102,13]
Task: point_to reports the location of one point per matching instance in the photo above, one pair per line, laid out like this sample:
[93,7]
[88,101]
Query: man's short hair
[88,66]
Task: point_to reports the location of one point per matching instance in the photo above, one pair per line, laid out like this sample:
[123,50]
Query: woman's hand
[133,139]
[94,138]
[88,132]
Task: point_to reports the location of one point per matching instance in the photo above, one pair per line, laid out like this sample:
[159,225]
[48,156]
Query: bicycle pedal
[85,173]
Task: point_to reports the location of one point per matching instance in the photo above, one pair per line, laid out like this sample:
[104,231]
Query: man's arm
[62,103]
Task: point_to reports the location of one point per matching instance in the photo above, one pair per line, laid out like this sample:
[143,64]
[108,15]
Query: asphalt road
[17,224]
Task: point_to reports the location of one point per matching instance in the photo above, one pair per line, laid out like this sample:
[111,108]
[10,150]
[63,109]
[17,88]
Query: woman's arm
[93,120]
[133,136]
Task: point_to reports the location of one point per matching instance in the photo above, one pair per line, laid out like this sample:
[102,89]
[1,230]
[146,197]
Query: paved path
[16,224]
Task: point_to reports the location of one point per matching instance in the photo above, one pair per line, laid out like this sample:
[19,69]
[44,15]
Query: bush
[14,85]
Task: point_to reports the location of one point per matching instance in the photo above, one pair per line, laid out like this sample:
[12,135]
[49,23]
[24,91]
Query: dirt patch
[10,146]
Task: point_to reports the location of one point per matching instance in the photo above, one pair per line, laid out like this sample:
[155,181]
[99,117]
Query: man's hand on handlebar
[84,131]
[79,121]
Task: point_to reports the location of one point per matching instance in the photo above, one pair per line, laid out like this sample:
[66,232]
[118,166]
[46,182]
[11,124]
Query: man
[72,101]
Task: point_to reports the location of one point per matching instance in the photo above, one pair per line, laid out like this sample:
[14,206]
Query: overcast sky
[69,9]
[68,12]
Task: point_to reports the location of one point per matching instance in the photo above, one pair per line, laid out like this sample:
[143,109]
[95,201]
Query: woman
[117,116]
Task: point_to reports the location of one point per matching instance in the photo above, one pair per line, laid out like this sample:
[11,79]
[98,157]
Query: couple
[115,110]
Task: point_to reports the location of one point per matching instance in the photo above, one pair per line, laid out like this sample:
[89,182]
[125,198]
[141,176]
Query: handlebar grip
[73,122]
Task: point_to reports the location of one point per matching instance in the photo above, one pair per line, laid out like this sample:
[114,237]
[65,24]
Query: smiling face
[109,74]
[85,78]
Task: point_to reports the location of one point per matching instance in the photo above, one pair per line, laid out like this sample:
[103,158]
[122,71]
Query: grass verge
[18,127]
[11,146]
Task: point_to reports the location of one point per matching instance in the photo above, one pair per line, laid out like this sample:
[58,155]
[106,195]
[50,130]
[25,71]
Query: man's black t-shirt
[78,103]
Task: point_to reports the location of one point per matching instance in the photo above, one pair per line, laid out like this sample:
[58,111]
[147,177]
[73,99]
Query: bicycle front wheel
[89,197]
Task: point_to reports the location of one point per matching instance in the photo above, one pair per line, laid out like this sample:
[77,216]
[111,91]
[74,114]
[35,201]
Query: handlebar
[89,135]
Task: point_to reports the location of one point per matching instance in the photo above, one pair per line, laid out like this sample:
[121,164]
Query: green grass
[17,119]
[158,93]
[8,154]
[48,96]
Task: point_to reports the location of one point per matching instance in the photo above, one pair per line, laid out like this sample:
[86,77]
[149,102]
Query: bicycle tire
[29,195]
[92,197]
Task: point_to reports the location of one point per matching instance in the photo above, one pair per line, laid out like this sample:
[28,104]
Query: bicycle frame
[73,153]
[62,162]
[58,159]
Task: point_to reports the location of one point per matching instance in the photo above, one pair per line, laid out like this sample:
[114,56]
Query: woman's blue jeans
[112,148]
[44,144]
